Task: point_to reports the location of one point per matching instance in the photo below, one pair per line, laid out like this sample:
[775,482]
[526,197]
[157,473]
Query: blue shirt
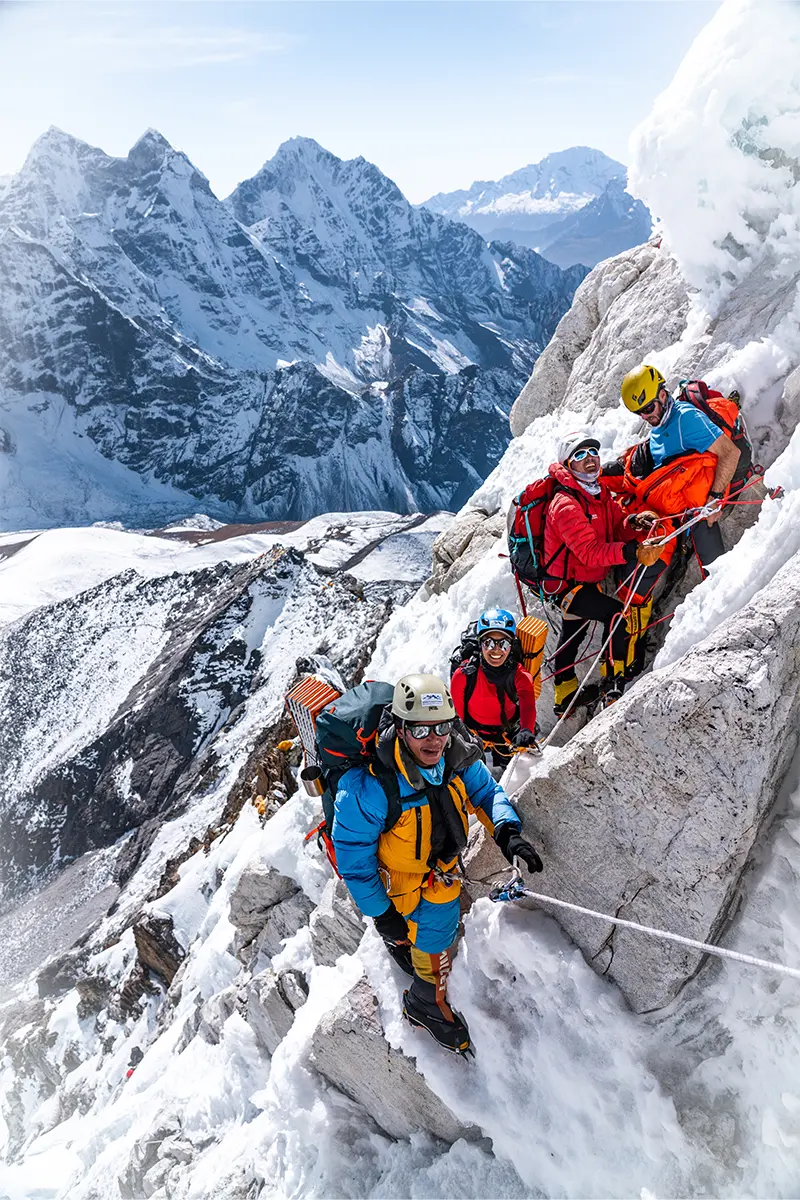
[683,429]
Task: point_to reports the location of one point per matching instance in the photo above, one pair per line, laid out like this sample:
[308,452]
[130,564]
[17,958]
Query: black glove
[629,552]
[391,926]
[523,739]
[514,845]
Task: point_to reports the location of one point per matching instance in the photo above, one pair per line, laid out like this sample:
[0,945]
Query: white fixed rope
[705,947]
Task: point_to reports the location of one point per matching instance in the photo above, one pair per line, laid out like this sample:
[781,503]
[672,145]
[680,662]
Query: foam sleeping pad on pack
[532,633]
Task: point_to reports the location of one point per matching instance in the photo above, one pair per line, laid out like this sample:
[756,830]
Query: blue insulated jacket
[361,810]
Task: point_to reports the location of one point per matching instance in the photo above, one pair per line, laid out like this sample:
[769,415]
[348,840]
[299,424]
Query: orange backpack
[668,490]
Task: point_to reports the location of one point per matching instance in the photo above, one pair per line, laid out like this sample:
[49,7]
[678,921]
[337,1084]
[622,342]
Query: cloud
[162,48]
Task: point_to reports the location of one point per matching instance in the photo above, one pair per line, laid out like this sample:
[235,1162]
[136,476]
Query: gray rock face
[259,889]
[266,907]
[282,922]
[350,1051]
[469,538]
[272,1000]
[630,304]
[215,1012]
[651,811]
[336,925]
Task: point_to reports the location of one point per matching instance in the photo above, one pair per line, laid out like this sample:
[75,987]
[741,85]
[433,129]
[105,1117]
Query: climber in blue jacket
[405,877]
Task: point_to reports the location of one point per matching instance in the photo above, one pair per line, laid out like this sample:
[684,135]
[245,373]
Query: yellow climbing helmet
[641,386]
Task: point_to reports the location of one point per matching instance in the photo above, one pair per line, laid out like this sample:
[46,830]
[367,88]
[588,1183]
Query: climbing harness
[619,617]
[514,889]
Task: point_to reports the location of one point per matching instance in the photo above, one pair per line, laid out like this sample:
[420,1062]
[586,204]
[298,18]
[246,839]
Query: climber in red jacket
[492,692]
[586,533]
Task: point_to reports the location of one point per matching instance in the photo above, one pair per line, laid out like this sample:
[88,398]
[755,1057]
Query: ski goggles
[586,452]
[420,732]
[496,643]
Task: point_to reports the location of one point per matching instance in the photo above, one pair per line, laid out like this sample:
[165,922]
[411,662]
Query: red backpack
[725,414]
[526,520]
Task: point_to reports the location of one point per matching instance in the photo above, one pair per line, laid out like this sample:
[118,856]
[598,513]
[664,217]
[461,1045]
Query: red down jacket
[584,535]
[483,714]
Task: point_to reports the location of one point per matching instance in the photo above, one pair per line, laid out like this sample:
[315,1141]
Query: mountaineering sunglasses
[648,409]
[420,732]
[497,643]
[587,451]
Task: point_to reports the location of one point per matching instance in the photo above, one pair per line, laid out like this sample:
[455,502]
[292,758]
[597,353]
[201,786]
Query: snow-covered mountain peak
[152,151]
[571,207]
[579,172]
[55,143]
[312,179]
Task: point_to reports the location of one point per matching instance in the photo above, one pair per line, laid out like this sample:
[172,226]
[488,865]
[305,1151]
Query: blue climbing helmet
[496,618]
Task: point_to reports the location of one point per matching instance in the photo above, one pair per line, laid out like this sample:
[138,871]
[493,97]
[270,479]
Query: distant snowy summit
[572,207]
[313,343]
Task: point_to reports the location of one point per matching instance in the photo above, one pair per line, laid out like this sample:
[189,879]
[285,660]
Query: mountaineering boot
[420,1008]
[563,692]
[400,952]
[589,695]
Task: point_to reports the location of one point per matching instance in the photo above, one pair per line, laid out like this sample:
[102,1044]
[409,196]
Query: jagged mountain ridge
[312,343]
[572,207]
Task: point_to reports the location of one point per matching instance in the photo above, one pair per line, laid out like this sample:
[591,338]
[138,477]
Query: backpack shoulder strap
[471,682]
[387,778]
[692,393]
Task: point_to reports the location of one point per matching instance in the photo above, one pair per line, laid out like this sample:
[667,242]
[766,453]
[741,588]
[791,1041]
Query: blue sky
[437,94]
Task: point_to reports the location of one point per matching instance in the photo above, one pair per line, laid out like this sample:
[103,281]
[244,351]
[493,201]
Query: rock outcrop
[458,548]
[157,947]
[349,1049]
[266,908]
[651,812]
[272,1001]
[627,304]
[337,926]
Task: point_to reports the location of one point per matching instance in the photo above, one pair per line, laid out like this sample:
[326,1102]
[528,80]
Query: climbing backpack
[526,520]
[346,736]
[726,415]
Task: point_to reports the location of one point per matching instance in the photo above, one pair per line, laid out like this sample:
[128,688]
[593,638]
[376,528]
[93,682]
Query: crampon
[450,1035]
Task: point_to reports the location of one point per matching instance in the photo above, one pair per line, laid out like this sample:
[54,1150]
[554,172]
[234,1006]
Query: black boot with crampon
[588,697]
[446,1026]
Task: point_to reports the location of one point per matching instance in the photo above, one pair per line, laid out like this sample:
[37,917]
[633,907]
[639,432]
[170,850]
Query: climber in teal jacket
[406,877]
